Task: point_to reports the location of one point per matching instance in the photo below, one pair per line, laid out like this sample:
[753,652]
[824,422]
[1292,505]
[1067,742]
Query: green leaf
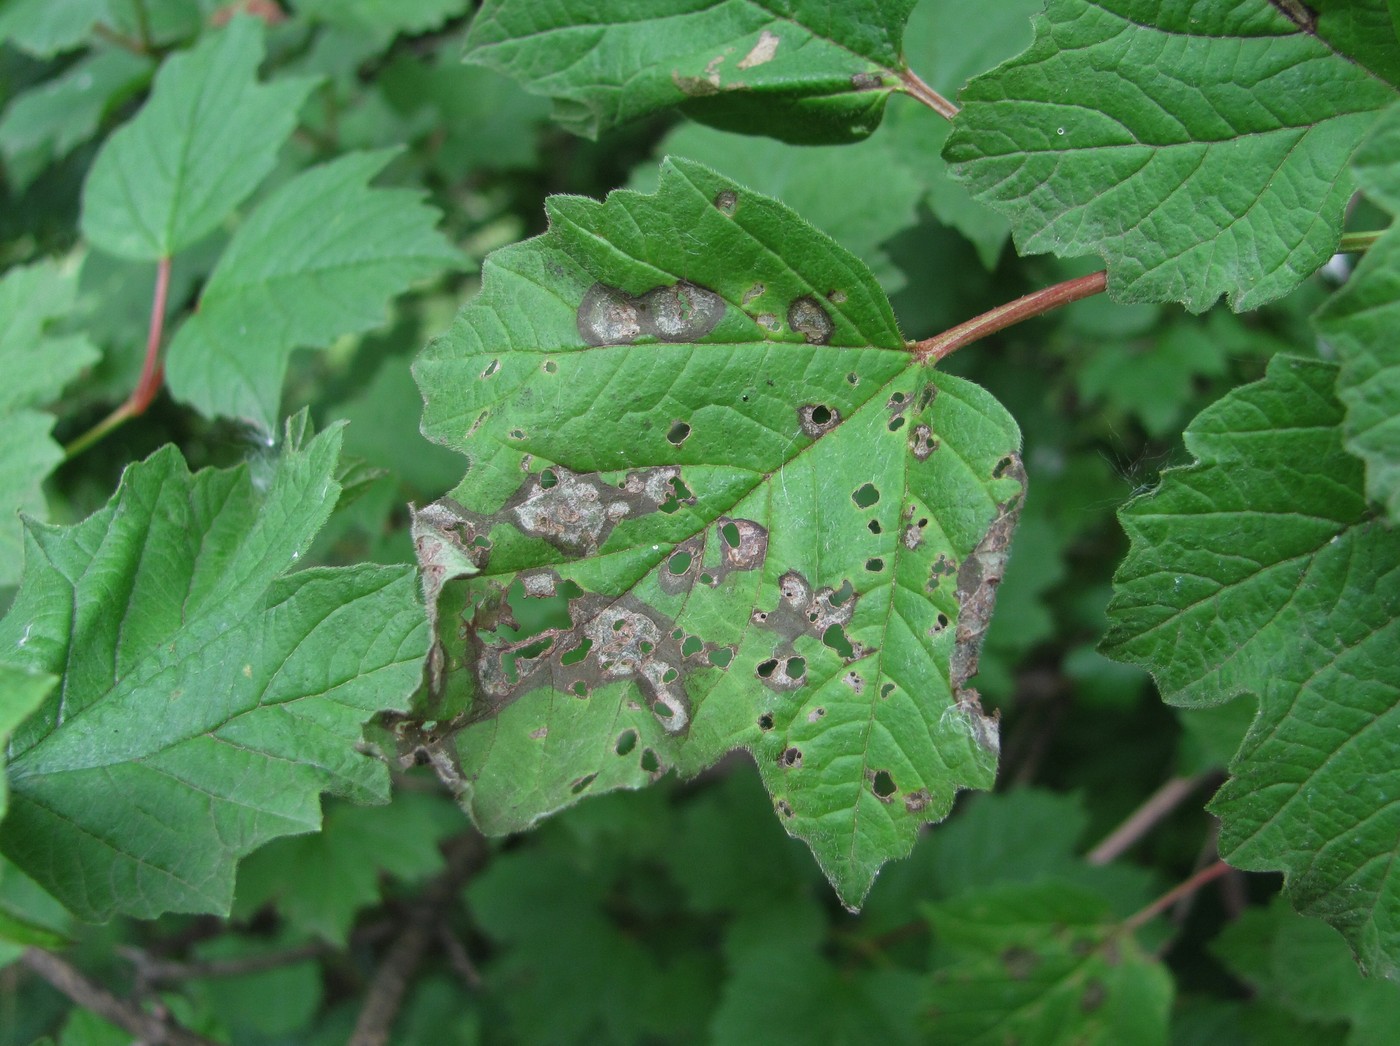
[1260,569]
[1305,968]
[715,502]
[1199,153]
[1359,320]
[37,366]
[382,19]
[319,882]
[802,70]
[45,28]
[24,690]
[1043,963]
[208,697]
[829,185]
[208,135]
[321,257]
[48,122]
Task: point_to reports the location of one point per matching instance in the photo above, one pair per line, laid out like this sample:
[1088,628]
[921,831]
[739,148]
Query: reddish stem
[1176,893]
[152,372]
[917,89]
[1034,304]
[1161,803]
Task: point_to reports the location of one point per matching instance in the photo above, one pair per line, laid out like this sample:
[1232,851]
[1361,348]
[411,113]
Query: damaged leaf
[713,501]
[807,72]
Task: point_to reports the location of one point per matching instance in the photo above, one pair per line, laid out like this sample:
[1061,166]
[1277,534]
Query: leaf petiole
[915,88]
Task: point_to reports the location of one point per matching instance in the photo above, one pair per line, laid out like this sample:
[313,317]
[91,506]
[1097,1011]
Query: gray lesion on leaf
[807,317]
[803,611]
[977,579]
[922,442]
[680,312]
[817,419]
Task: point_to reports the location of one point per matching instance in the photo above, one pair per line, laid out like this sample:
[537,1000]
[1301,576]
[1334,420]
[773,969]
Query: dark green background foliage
[306,664]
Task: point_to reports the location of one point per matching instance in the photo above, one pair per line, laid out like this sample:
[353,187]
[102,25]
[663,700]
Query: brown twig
[917,89]
[148,1028]
[390,984]
[156,971]
[152,373]
[458,956]
[1034,304]
[1161,904]
[1142,820]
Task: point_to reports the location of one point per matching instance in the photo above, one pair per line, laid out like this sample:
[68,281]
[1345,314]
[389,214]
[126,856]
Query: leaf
[208,135]
[321,257]
[382,19]
[1359,320]
[319,882]
[37,366]
[1043,963]
[803,70]
[207,696]
[715,502]
[24,690]
[44,28]
[1198,152]
[1260,569]
[1305,968]
[48,122]
[829,185]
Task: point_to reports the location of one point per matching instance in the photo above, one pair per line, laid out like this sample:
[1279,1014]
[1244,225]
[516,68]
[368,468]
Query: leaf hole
[663,710]
[649,762]
[580,689]
[491,368]
[865,495]
[582,783]
[670,676]
[679,431]
[853,378]
[692,646]
[883,785]
[646,647]
[791,758]
[626,741]
[896,423]
[765,721]
[784,808]
[835,637]
[550,367]
[874,526]
[795,668]
[720,658]
[730,533]
[886,690]
[679,563]
[875,565]
[707,579]
[548,479]
[845,592]
[815,714]
[517,433]
[577,654]
[767,668]
[1002,466]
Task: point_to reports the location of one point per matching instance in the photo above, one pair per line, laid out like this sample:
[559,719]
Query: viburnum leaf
[37,365]
[1200,151]
[1360,320]
[1261,569]
[208,696]
[202,143]
[1029,959]
[319,882]
[801,70]
[49,121]
[714,501]
[321,257]
[44,28]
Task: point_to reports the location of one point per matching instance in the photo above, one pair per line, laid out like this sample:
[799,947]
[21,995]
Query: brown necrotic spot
[808,318]
[817,419]
[726,200]
[866,81]
[791,758]
[922,443]
[608,316]
[917,800]
[784,808]
[676,313]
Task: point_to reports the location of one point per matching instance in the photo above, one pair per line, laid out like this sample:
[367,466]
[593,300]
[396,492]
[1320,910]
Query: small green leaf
[1043,963]
[803,71]
[1199,152]
[319,882]
[37,366]
[321,257]
[46,123]
[45,28]
[1261,569]
[714,501]
[208,135]
[382,19]
[208,696]
[1360,322]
